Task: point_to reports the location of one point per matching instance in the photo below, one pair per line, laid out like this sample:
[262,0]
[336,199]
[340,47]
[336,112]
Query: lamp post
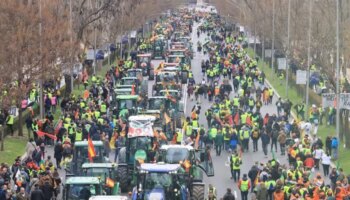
[288,48]
[338,78]
[308,59]
[273,35]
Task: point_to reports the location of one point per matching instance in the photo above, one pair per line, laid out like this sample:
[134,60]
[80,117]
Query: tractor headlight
[175,190]
[140,190]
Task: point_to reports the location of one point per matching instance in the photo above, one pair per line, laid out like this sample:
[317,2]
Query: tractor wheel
[123,178]
[184,76]
[151,75]
[197,192]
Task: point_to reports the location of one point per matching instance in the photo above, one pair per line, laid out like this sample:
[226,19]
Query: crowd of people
[236,91]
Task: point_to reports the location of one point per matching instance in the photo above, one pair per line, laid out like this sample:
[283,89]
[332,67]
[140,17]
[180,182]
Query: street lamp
[338,79]
[273,35]
[288,48]
[308,59]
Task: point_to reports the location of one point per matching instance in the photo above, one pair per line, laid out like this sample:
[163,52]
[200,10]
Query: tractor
[106,173]
[139,87]
[144,63]
[127,105]
[114,197]
[192,162]
[138,148]
[80,156]
[158,48]
[77,188]
[159,181]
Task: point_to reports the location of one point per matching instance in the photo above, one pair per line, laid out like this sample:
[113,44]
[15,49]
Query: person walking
[236,163]
[37,194]
[326,162]
[282,138]
[262,193]
[255,137]
[252,174]
[317,153]
[229,195]
[58,153]
[9,123]
[335,148]
[265,140]
[219,141]
[244,186]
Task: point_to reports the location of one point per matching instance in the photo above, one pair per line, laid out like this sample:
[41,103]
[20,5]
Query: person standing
[236,163]
[37,194]
[244,186]
[255,138]
[22,195]
[252,174]
[282,138]
[9,123]
[318,152]
[228,195]
[219,140]
[326,162]
[335,145]
[58,153]
[265,140]
[262,192]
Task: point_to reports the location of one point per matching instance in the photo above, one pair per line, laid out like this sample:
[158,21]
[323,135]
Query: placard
[301,77]
[330,100]
[282,63]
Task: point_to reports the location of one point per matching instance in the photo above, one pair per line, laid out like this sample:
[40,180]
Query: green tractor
[80,156]
[106,172]
[81,188]
[158,48]
[127,105]
[139,87]
[144,63]
[193,163]
[138,148]
[159,181]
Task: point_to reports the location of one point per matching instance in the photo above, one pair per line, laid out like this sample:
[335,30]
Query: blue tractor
[160,181]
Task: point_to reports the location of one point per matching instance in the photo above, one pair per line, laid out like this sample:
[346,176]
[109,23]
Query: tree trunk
[346,129]
[2,137]
[341,126]
[20,121]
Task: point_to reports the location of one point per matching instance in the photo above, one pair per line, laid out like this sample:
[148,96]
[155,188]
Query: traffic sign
[301,77]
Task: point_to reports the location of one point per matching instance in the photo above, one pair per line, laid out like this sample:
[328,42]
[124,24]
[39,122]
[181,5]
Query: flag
[133,89]
[249,121]
[197,140]
[109,182]
[40,134]
[86,94]
[91,149]
[167,118]
[236,119]
[58,127]
[256,181]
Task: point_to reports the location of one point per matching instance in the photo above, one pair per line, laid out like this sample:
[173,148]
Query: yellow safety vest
[244,185]
[179,137]
[78,136]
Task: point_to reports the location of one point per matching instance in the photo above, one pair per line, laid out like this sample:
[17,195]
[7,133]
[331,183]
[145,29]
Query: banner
[146,131]
[282,63]
[301,77]
[330,100]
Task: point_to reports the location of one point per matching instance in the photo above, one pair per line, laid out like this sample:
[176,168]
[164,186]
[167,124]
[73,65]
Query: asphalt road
[221,180]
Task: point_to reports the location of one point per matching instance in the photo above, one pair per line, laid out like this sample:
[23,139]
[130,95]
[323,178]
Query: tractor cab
[78,188]
[106,172]
[159,181]
[135,73]
[192,160]
[144,63]
[158,48]
[127,105]
[80,156]
[176,94]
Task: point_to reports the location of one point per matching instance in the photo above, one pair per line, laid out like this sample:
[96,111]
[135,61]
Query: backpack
[271,187]
[275,134]
[255,134]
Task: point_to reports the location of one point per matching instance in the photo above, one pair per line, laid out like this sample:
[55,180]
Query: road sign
[90,54]
[282,63]
[301,77]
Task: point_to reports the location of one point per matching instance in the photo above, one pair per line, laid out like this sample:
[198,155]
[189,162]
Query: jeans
[283,149]
[236,173]
[264,147]
[218,149]
[255,145]
[244,195]
[325,169]
[116,154]
[274,143]
[335,153]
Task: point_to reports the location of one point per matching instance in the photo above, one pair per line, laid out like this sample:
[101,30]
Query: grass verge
[14,146]
[296,97]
